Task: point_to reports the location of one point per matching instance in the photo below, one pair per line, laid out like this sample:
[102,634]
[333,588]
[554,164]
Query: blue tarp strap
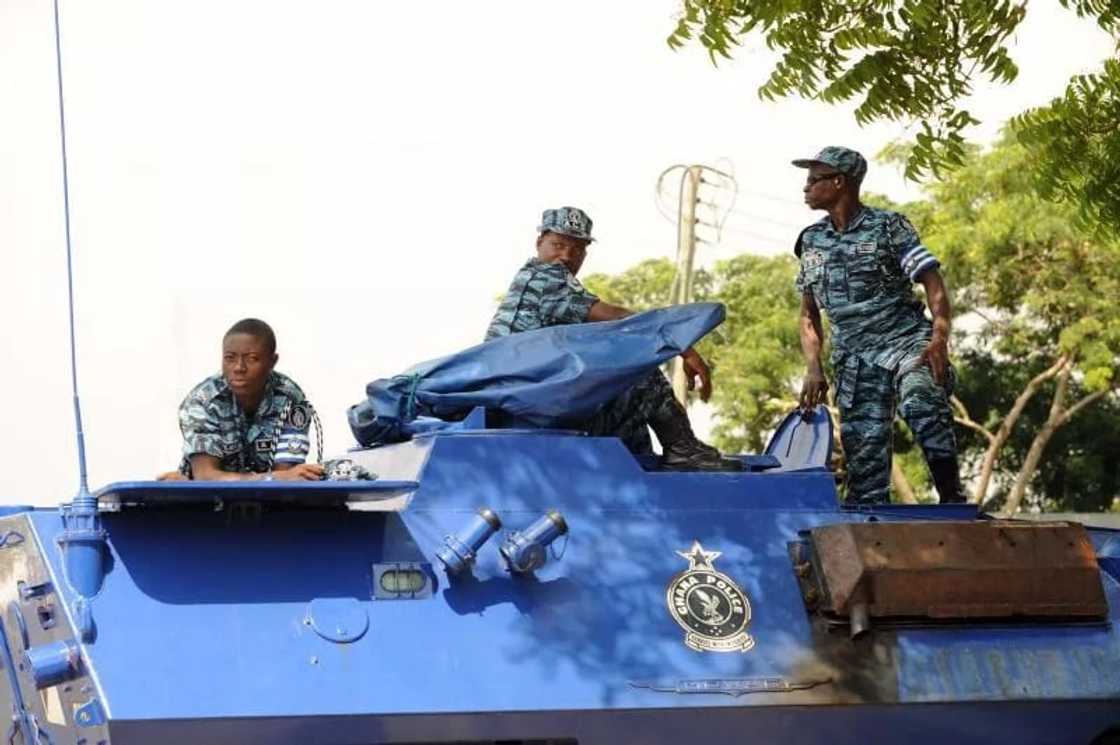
[413,381]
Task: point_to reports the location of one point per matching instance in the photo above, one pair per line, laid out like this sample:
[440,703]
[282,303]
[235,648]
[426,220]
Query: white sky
[366,177]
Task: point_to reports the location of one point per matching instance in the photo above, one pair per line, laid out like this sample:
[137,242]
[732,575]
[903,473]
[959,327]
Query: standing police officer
[249,422]
[859,264]
[545,292]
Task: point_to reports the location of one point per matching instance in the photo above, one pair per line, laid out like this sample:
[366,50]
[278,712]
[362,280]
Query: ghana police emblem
[299,415]
[709,606]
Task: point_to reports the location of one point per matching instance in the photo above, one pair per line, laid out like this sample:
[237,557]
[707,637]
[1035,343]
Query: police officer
[249,422]
[859,264]
[545,292]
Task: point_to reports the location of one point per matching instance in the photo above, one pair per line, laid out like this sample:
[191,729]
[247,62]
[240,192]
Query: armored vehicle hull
[677,607]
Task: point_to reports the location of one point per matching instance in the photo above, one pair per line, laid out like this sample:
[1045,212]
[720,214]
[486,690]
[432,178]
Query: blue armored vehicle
[502,581]
[497,584]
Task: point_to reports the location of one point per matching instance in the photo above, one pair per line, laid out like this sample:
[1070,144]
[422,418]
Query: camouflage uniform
[862,278]
[213,423]
[543,295]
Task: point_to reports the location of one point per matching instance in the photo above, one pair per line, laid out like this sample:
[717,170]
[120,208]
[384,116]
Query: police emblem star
[711,608]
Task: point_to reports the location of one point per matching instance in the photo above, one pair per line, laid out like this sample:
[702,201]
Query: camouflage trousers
[628,417]
[868,397]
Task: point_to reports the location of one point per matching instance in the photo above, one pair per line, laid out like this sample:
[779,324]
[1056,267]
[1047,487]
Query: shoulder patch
[797,245]
[299,415]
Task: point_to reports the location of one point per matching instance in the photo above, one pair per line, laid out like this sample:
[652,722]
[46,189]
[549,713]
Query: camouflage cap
[843,159]
[570,221]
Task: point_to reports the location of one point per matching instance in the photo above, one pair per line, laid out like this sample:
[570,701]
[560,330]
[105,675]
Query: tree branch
[1004,431]
[901,485]
[963,418]
[1092,398]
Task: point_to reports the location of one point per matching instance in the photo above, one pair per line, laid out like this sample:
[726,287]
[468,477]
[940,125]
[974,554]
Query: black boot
[947,478]
[680,448]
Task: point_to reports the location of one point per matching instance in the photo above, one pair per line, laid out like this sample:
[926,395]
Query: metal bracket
[89,714]
[11,538]
[28,591]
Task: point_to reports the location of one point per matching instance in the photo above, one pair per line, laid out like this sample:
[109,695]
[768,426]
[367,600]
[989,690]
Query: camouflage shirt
[540,295]
[213,423]
[862,277]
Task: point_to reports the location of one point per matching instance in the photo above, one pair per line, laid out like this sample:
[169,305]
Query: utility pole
[688,199]
[686,254]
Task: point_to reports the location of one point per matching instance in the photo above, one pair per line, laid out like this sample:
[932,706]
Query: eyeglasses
[810,180]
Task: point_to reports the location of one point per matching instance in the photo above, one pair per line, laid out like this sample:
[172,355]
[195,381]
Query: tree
[1075,141]
[1041,292]
[918,60]
[646,285]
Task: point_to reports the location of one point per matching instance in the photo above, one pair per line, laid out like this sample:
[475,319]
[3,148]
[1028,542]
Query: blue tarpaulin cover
[551,377]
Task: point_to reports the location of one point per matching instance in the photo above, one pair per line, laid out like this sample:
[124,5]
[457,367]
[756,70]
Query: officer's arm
[209,468]
[696,369]
[601,311]
[938,298]
[937,352]
[814,389]
[812,333]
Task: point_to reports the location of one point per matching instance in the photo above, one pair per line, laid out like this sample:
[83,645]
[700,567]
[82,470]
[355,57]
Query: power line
[769,220]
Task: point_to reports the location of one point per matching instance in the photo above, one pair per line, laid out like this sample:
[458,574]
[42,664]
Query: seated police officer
[249,422]
[545,292]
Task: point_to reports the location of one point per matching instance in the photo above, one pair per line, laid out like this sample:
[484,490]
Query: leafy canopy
[918,60]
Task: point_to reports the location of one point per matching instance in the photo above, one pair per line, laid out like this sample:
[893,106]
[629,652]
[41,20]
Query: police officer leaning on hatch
[249,422]
[859,265]
[545,292]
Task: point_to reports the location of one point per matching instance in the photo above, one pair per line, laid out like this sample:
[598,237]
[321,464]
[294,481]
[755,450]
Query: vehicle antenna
[83,484]
[82,539]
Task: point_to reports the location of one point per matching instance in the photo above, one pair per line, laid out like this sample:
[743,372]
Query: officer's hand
[695,367]
[300,472]
[814,390]
[936,355]
[171,476]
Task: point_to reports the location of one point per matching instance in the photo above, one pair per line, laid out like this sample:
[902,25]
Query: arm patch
[797,245]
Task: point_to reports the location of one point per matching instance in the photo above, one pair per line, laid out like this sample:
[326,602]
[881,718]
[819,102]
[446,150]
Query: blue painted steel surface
[803,442]
[308,492]
[262,626]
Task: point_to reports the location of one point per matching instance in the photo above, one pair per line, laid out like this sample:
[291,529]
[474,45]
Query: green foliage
[645,286]
[913,464]
[1043,285]
[916,61]
[901,60]
[1085,477]
[1076,145]
[1079,473]
[757,360]
[1038,285]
